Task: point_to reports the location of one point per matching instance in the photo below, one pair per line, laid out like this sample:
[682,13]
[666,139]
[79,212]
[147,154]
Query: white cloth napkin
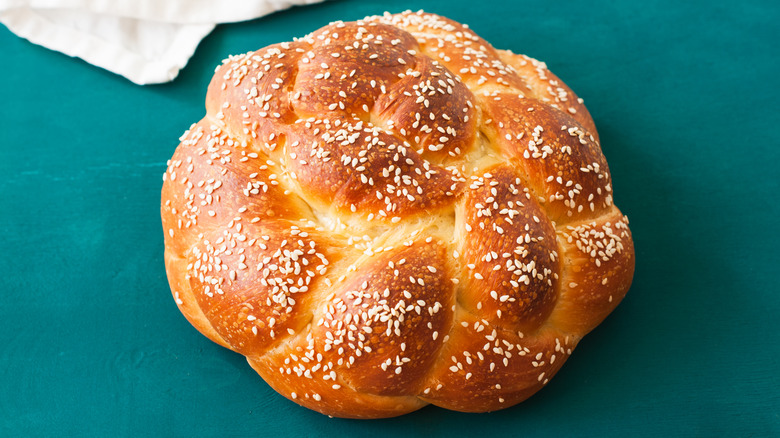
[146,41]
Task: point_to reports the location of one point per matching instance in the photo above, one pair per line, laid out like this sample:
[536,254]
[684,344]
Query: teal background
[685,96]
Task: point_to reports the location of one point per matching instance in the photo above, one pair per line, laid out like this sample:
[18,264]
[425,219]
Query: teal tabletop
[685,97]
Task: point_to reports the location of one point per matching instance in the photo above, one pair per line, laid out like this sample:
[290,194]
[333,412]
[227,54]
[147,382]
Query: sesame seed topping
[419,149]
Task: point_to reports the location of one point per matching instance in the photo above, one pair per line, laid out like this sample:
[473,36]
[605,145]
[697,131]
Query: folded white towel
[146,41]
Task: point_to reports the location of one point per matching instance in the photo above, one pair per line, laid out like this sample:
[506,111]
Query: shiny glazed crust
[390,213]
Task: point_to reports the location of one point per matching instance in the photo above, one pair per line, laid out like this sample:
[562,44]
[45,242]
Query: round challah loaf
[389,213]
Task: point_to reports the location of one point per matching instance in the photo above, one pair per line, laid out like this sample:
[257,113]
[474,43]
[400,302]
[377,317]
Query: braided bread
[391,213]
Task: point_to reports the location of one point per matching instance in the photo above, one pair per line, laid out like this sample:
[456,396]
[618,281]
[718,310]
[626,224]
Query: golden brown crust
[389,213]
[483,368]
[509,253]
[380,327]
[543,85]
[562,162]
[599,266]
[364,170]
